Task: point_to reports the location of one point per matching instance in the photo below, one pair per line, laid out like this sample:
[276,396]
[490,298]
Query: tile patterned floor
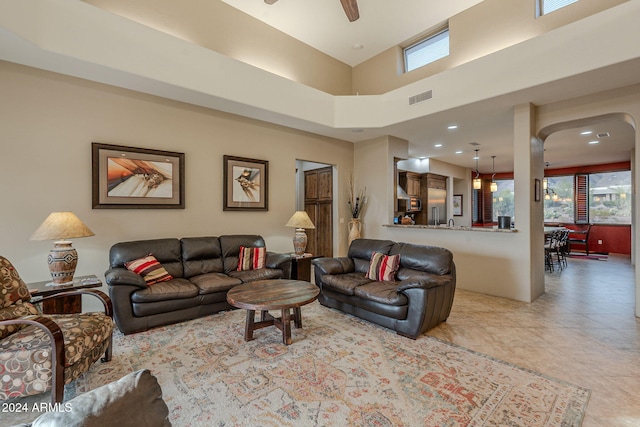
[582,330]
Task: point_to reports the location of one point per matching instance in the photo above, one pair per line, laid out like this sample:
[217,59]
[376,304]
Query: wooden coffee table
[265,295]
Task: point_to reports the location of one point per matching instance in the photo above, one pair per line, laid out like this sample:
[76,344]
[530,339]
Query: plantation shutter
[581,194]
[487,205]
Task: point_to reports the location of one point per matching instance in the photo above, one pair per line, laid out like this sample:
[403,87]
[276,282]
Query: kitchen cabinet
[410,182]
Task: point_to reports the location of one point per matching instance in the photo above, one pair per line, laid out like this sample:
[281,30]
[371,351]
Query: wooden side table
[63,305]
[301,266]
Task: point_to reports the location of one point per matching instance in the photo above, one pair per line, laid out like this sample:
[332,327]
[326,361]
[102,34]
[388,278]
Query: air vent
[421,97]
[604,135]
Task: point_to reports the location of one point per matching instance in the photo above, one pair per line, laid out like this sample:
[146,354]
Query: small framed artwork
[246,184]
[457,205]
[136,178]
[537,191]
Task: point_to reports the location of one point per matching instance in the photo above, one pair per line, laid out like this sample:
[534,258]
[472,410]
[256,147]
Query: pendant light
[477,182]
[494,184]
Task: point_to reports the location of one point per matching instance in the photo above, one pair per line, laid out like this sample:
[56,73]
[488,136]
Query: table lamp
[62,258]
[300,220]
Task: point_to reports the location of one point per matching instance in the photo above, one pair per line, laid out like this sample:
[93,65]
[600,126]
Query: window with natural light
[427,50]
[610,197]
[548,6]
[558,199]
[504,199]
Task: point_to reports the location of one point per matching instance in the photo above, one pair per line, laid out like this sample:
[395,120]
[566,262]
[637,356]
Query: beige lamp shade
[63,258]
[300,220]
[60,226]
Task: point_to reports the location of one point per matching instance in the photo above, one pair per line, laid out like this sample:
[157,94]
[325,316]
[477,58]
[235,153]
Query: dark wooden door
[318,203]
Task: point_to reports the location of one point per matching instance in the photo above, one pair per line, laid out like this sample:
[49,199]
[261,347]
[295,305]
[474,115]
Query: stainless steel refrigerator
[437,206]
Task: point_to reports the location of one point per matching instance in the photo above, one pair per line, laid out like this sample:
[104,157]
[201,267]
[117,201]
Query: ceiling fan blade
[270,1]
[351,9]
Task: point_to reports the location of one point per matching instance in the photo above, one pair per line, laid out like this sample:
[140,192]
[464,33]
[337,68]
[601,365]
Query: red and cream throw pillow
[150,269]
[251,258]
[383,267]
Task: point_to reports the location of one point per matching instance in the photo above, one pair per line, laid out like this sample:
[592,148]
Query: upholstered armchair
[41,352]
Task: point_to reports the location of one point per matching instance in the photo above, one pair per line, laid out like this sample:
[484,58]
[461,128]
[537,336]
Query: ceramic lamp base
[299,241]
[62,260]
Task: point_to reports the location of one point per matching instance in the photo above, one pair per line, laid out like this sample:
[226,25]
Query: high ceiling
[324,26]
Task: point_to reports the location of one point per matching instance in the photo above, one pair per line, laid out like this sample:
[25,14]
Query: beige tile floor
[582,330]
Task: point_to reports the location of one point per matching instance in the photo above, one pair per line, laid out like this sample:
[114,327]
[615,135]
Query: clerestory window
[548,6]
[427,50]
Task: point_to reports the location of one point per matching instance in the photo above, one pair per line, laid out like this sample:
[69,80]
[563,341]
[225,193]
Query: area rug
[338,371]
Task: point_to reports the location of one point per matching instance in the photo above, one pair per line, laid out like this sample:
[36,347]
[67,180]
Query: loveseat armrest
[340,265]
[426,281]
[122,276]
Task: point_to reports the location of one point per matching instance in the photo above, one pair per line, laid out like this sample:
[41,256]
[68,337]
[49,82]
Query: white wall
[48,124]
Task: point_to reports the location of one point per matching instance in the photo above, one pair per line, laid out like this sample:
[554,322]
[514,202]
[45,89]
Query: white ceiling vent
[604,135]
[421,97]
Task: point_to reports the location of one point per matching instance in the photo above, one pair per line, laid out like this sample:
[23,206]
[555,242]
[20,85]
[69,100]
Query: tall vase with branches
[357,202]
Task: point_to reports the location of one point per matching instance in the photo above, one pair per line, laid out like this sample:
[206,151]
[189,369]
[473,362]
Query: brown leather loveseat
[418,298]
[203,270]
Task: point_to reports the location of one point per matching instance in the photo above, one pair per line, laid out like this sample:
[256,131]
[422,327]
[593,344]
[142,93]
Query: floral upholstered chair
[41,352]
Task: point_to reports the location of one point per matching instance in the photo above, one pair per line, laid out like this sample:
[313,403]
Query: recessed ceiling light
[438,145]
[586,132]
[459,152]
[452,127]
[357,46]
[594,142]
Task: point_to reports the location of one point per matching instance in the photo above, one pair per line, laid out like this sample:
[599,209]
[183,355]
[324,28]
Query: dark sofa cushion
[344,283]
[214,282]
[382,292]
[230,247]
[362,249]
[167,251]
[430,259]
[201,255]
[163,291]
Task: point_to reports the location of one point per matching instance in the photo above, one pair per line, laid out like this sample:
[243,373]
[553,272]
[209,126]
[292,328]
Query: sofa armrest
[334,265]
[122,276]
[277,260]
[426,281]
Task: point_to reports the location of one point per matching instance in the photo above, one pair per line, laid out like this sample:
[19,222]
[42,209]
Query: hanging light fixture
[494,184]
[545,180]
[477,182]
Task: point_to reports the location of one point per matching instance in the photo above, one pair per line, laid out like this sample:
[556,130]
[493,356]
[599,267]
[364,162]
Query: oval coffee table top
[274,294]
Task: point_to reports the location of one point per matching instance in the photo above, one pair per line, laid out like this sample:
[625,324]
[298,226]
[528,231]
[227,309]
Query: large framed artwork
[246,184]
[136,178]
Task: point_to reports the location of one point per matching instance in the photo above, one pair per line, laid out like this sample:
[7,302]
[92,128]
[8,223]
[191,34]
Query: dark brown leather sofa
[418,300]
[203,270]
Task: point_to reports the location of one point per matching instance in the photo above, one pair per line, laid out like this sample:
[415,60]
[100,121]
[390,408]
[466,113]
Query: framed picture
[136,178]
[246,184]
[457,205]
[537,191]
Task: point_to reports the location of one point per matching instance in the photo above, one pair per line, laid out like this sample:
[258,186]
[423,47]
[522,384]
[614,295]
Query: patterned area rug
[597,257]
[339,370]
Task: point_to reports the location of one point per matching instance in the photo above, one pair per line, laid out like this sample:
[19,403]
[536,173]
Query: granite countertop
[494,229]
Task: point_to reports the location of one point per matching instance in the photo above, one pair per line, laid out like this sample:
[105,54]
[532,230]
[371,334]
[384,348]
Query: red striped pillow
[383,267]
[150,269]
[251,258]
